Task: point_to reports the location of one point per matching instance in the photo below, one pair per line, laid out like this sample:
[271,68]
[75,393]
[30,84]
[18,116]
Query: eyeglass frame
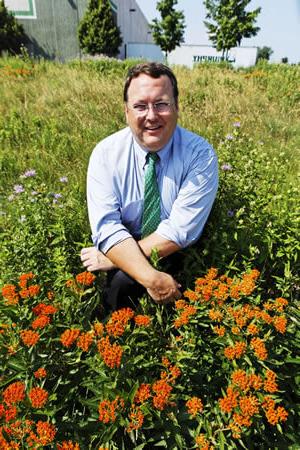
[168,104]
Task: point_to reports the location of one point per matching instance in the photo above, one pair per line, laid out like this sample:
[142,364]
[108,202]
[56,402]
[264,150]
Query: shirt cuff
[166,231]
[111,240]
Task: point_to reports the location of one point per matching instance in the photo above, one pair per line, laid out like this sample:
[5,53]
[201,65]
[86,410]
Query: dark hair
[154,70]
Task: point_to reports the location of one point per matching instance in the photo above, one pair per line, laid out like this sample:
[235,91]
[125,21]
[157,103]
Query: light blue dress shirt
[187,174]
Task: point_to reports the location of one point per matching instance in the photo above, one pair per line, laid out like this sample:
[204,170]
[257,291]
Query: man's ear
[126,112]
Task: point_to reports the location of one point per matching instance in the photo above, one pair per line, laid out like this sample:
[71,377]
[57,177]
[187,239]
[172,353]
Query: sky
[279,22]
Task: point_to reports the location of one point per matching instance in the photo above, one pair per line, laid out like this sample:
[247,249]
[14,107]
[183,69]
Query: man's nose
[151,111]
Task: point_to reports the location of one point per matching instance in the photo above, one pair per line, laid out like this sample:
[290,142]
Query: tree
[285,60]
[264,53]
[168,33]
[97,30]
[11,32]
[230,23]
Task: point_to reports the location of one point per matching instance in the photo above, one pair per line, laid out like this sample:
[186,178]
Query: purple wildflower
[226,167]
[63,179]
[229,137]
[230,213]
[237,124]
[57,196]
[18,188]
[28,173]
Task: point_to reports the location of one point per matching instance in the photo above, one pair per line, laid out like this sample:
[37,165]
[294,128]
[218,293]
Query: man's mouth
[153,128]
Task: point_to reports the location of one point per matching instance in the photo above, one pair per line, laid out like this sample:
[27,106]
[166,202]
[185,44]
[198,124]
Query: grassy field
[51,117]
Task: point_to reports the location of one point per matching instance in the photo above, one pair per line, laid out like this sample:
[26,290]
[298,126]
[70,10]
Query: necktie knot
[152,157]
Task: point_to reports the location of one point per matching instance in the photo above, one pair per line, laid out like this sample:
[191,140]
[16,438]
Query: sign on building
[21,9]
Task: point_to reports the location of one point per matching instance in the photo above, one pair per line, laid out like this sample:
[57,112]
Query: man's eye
[140,107]
[161,106]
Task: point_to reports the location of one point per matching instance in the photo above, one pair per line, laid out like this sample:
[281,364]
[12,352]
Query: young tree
[11,32]
[97,30]
[168,33]
[230,23]
[264,53]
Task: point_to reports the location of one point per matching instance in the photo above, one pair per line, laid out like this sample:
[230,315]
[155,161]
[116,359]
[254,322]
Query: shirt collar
[163,154]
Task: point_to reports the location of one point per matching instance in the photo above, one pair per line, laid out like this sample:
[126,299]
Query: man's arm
[127,256]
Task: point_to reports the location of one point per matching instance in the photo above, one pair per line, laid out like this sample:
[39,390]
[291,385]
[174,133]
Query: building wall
[51,25]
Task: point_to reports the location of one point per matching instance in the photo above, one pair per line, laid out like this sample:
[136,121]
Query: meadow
[216,370]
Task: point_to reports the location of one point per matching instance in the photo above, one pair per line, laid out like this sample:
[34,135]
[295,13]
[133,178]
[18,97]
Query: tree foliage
[97,30]
[230,22]
[264,53]
[11,32]
[168,32]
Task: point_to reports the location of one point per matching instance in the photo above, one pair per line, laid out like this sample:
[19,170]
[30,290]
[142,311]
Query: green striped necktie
[151,212]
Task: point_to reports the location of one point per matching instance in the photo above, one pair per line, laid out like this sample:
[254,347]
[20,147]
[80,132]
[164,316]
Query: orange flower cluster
[280,303]
[111,353]
[38,397]
[215,315]
[98,328]
[191,295]
[68,445]
[8,412]
[23,279]
[108,409]
[184,317]
[85,340]
[69,337]
[246,382]
[252,329]
[219,330]
[142,320]
[279,323]
[136,419]
[162,392]
[230,401]
[259,348]
[30,292]
[270,384]
[10,294]
[194,406]
[85,278]
[235,351]
[40,322]
[118,321]
[143,393]
[203,443]
[40,373]
[29,337]
[44,310]
[45,434]
[273,414]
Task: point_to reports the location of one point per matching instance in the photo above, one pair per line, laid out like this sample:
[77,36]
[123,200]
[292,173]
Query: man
[131,212]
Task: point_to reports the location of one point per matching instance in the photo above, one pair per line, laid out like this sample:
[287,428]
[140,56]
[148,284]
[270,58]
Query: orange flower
[275,415]
[235,351]
[240,378]
[183,319]
[50,295]
[255,381]
[108,409]
[68,445]
[118,321]
[142,320]
[9,413]
[191,295]
[85,278]
[43,309]
[38,397]
[136,419]
[40,322]
[98,328]
[180,304]
[162,390]
[194,405]
[46,432]
[203,443]
[270,384]
[252,329]
[111,353]
[143,393]
[10,294]
[24,278]
[235,330]
[211,274]
[14,393]
[279,323]
[84,341]
[265,317]
[29,337]
[259,348]
[69,337]
[40,373]
[30,292]
[249,405]
[235,291]
[235,429]
[280,304]
[215,315]
[229,402]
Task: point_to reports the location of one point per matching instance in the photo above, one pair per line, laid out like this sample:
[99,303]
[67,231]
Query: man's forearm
[162,245]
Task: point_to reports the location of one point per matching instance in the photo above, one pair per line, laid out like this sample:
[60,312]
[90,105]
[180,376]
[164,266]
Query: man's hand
[93,260]
[164,289]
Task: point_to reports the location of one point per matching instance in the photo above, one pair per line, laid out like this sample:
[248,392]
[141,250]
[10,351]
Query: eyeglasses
[141,109]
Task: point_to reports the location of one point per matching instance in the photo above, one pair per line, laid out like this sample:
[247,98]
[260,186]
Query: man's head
[151,104]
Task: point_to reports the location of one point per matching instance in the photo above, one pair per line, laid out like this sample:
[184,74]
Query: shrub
[11,32]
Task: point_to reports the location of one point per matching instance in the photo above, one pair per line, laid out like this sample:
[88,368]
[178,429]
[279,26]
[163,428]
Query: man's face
[151,129]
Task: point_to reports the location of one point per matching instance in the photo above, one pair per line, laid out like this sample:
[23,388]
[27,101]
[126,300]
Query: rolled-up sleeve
[103,203]
[194,201]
